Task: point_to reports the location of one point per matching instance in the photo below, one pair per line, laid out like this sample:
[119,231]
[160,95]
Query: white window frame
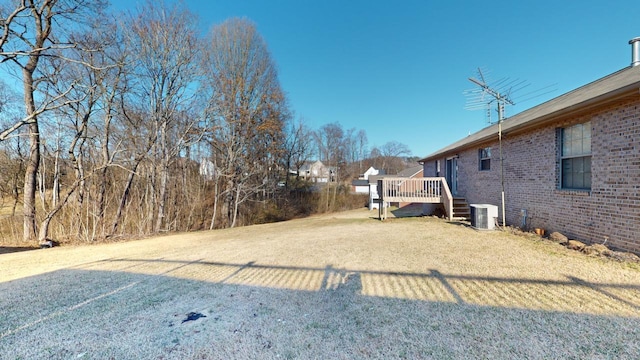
[575,150]
[484,156]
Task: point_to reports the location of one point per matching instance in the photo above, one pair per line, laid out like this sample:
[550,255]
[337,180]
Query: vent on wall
[483,216]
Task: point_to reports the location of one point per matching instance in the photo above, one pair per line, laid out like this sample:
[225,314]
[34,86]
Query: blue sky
[398,69]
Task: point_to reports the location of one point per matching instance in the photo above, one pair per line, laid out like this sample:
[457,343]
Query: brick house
[571,164]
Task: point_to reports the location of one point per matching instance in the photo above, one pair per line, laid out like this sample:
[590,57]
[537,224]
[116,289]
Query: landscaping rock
[597,249]
[48,244]
[558,237]
[624,256]
[575,245]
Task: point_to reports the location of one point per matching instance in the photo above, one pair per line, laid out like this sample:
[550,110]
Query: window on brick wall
[575,157]
[484,159]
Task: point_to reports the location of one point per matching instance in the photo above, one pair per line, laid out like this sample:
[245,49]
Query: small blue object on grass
[193,316]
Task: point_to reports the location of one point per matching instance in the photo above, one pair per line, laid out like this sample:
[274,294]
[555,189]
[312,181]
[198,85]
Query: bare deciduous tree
[390,156]
[361,142]
[247,109]
[298,148]
[330,140]
[85,80]
[111,113]
[31,30]
[12,157]
[167,50]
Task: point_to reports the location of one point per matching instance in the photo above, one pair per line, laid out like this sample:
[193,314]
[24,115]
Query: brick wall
[429,168]
[531,169]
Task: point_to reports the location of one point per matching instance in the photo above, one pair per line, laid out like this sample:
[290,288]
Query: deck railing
[447,199]
[416,190]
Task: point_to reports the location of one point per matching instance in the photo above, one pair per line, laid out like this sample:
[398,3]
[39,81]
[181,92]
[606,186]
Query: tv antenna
[500,98]
[500,93]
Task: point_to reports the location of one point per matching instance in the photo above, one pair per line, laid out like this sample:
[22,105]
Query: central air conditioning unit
[483,216]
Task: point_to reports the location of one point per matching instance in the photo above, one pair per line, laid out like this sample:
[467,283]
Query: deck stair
[461,209]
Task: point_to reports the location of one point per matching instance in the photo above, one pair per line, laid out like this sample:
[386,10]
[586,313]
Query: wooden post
[380,199]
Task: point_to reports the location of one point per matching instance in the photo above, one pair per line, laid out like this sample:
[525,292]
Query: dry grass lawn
[339,286]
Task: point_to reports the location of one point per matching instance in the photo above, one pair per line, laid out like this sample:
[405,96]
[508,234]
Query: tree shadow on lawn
[12,249]
[128,308]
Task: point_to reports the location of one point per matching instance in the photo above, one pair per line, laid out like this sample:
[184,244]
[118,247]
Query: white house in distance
[373,191]
[367,183]
[361,185]
[207,169]
[371,171]
[317,172]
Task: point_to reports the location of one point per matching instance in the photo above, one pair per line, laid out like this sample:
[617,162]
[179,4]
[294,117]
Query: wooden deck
[417,190]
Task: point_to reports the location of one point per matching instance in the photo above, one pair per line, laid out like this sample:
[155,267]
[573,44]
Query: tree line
[135,123]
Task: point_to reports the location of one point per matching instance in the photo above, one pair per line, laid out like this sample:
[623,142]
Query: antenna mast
[500,100]
[500,93]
